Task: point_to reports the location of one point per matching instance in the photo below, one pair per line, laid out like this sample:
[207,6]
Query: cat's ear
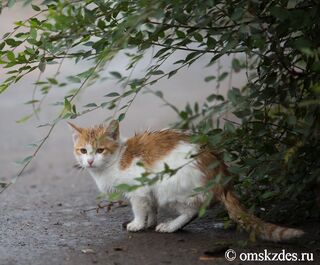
[113,130]
[76,131]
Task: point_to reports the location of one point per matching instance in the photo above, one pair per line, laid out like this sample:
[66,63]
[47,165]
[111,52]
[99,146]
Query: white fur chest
[105,179]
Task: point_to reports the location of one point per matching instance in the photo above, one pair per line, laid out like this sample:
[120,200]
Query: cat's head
[95,148]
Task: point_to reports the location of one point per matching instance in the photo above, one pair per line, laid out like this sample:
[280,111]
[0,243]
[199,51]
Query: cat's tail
[253,224]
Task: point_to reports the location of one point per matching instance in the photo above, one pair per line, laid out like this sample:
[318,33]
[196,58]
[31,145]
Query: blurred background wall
[146,112]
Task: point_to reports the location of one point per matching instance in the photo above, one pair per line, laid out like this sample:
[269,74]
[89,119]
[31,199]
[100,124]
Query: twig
[165,101]
[155,80]
[124,87]
[200,28]
[108,205]
[176,47]
[55,75]
[33,156]
[34,94]
[14,31]
[51,128]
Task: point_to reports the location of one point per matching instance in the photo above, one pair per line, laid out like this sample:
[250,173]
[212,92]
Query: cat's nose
[90,162]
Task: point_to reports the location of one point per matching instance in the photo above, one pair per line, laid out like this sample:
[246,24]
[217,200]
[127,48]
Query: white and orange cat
[112,161]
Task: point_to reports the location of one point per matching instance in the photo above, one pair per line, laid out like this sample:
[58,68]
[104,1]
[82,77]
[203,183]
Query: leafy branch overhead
[267,130]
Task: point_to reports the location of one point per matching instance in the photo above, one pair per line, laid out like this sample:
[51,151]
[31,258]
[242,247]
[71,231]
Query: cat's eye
[100,150]
[83,150]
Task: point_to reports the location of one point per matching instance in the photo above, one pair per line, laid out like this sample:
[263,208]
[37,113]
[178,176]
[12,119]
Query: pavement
[49,217]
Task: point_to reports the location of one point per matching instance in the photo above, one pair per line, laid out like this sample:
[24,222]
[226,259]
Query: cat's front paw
[135,226]
[167,227]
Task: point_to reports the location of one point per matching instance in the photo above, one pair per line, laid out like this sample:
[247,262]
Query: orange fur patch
[150,147]
[97,137]
[206,162]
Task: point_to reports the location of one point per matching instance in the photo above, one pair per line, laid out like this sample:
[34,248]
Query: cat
[112,161]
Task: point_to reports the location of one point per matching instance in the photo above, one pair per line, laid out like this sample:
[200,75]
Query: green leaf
[172,73]
[86,73]
[42,65]
[116,74]
[121,117]
[180,34]
[157,72]
[114,196]
[198,37]
[3,184]
[183,115]
[90,105]
[25,160]
[35,8]
[159,94]
[191,56]
[234,95]
[52,80]
[222,76]
[206,203]
[10,56]
[74,79]
[213,97]
[32,145]
[3,87]
[5,35]
[104,104]
[13,43]
[32,101]
[236,65]
[126,188]
[67,104]
[33,33]
[209,78]
[2,44]
[160,52]
[112,94]
[24,119]
[101,24]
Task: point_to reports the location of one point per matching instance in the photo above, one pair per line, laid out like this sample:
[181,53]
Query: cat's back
[152,147]
[160,148]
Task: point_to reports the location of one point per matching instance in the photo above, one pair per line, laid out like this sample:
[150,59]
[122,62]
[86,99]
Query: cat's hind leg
[187,214]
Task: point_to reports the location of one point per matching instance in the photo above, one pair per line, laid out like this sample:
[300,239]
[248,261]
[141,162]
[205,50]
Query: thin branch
[51,128]
[165,101]
[55,75]
[124,87]
[34,94]
[201,28]
[108,205]
[33,156]
[155,68]
[26,20]
[176,47]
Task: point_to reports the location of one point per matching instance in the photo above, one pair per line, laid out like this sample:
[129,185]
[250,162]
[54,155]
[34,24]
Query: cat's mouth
[91,166]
